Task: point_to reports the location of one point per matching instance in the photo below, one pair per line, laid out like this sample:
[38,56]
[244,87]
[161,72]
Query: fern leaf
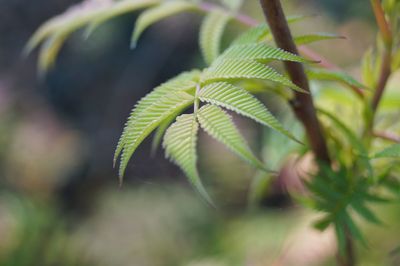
[390,152]
[180,146]
[158,13]
[149,120]
[225,70]
[260,52]
[219,125]
[183,82]
[321,74]
[119,8]
[240,101]
[315,37]
[211,32]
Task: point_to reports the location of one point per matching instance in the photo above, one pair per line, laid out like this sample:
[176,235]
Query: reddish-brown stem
[302,104]
[383,78]
[390,136]
[383,25]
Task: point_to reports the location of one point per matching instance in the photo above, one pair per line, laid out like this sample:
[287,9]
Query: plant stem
[302,104]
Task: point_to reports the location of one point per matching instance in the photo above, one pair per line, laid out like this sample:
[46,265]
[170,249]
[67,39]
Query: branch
[390,136]
[302,104]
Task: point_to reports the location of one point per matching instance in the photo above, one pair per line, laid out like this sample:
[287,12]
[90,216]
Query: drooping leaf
[211,32]
[260,52]
[219,125]
[315,37]
[149,120]
[225,70]
[117,9]
[158,13]
[49,52]
[180,146]
[328,75]
[390,152]
[241,102]
[183,82]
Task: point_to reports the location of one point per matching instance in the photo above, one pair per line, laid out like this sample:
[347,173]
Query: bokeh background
[60,202]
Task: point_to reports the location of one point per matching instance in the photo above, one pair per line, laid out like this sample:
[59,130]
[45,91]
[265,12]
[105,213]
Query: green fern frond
[149,120]
[253,35]
[316,37]
[158,13]
[328,75]
[260,52]
[180,146]
[183,82]
[211,31]
[240,101]
[225,70]
[219,125]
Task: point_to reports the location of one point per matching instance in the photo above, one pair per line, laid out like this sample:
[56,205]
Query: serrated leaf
[183,82]
[241,102]
[219,125]
[315,37]
[158,13]
[149,120]
[211,31]
[390,152]
[230,69]
[321,74]
[180,146]
[364,212]
[260,52]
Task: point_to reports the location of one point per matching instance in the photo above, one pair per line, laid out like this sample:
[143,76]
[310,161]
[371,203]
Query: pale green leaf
[160,132]
[241,102]
[158,13]
[260,52]
[252,35]
[315,37]
[180,146]
[328,75]
[211,32]
[225,70]
[183,82]
[149,120]
[117,9]
[390,152]
[219,125]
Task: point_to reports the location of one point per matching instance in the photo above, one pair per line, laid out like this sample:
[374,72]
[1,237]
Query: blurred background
[60,202]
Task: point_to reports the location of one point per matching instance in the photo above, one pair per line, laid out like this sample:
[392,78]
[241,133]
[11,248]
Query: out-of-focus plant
[355,168]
